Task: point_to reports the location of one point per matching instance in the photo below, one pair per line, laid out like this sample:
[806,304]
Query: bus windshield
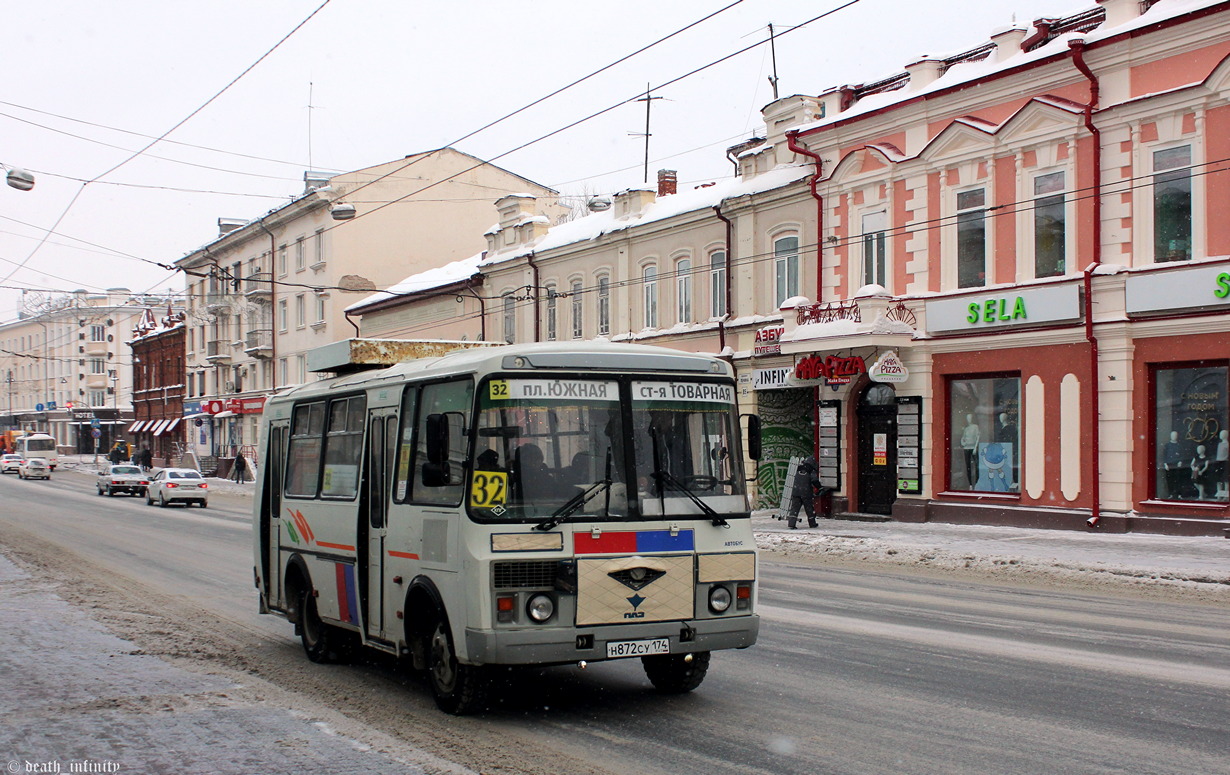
[553,449]
[40,445]
[686,458]
[545,443]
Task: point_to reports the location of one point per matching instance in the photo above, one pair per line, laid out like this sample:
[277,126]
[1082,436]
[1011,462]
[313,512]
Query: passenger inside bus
[535,481]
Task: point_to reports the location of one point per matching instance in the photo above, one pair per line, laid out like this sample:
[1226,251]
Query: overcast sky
[87,84]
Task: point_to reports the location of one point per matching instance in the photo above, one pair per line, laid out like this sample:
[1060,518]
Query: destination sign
[683,391]
[553,389]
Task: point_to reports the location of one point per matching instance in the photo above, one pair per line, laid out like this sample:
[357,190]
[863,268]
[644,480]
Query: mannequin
[1008,435]
[1172,464]
[1200,472]
[969,446]
[1220,464]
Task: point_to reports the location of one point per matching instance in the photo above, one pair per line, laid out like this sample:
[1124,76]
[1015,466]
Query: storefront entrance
[877,449]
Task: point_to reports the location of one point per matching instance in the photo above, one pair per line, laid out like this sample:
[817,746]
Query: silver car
[10,463]
[122,478]
[177,485]
[34,468]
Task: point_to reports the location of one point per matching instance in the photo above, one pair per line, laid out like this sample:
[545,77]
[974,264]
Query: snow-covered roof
[596,224]
[963,73]
[438,277]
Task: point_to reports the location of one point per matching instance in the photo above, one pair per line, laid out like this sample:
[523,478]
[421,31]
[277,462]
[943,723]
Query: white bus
[38,445]
[513,505]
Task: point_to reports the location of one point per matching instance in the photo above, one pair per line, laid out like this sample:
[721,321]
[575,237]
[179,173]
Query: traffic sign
[94,423]
[96,433]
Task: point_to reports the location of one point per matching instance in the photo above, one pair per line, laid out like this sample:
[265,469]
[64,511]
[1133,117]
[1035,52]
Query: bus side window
[445,411]
[303,455]
[405,445]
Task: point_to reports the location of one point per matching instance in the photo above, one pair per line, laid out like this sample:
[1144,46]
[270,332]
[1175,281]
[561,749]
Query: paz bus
[540,504]
[38,445]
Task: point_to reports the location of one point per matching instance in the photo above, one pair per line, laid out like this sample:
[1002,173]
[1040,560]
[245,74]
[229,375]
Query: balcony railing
[259,343]
[218,350]
[217,300]
[257,286]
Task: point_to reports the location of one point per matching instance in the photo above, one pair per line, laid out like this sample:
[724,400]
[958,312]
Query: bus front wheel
[458,689]
[676,673]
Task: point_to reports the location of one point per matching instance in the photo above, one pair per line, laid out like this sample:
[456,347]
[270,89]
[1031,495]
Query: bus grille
[537,574]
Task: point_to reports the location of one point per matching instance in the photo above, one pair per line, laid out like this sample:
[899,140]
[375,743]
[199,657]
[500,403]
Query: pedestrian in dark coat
[803,493]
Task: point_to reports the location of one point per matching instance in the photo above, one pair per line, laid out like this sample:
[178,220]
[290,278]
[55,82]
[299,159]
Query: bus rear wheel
[458,689]
[675,673]
[323,643]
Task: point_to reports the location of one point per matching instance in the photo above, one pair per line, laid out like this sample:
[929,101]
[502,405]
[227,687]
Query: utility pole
[773,54]
[648,100]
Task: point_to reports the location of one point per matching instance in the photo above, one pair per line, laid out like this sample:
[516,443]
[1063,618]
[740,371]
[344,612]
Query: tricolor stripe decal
[634,541]
[347,607]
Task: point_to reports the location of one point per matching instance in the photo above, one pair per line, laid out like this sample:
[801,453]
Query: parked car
[177,485]
[34,468]
[122,478]
[10,463]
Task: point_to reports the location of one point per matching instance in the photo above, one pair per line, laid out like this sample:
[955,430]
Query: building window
[98,333]
[318,248]
[281,260]
[875,249]
[604,306]
[301,368]
[1172,204]
[552,314]
[578,319]
[683,290]
[283,373]
[786,268]
[649,289]
[320,307]
[984,429]
[510,319]
[283,315]
[1050,245]
[98,398]
[97,366]
[300,255]
[717,283]
[971,239]
[1191,445]
[300,311]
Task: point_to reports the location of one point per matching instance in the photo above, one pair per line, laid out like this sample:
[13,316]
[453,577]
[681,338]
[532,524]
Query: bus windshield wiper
[574,503]
[663,477]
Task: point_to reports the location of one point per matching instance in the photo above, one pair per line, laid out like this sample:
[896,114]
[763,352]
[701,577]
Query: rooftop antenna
[310,106]
[648,100]
[773,55]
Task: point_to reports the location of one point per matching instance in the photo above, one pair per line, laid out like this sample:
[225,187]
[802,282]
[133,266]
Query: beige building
[269,289]
[64,365]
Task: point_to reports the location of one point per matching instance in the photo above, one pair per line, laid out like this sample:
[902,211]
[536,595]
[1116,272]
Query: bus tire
[324,644]
[458,689]
[673,674]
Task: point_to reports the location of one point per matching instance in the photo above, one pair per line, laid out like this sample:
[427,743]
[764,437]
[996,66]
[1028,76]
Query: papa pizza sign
[888,368]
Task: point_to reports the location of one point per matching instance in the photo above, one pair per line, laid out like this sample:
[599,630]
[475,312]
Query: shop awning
[159,427]
[137,426]
[223,415]
[171,425]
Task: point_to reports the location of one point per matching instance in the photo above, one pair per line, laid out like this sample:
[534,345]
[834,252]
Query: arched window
[552,313]
[604,305]
[683,290]
[578,319]
[717,283]
[786,268]
[510,318]
[649,287]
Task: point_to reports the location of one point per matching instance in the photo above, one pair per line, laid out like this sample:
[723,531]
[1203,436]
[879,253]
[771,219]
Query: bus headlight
[719,599]
[540,607]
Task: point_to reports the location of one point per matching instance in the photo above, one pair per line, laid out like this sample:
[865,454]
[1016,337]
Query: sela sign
[769,341]
[833,370]
[888,368]
[1197,288]
[1009,309]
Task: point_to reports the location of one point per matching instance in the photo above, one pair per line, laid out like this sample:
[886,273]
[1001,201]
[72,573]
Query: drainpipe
[273,304]
[482,309]
[534,296]
[1078,58]
[792,144]
[346,315]
[717,209]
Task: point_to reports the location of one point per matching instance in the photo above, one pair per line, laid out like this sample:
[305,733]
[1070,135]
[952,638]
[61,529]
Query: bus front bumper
[560,645]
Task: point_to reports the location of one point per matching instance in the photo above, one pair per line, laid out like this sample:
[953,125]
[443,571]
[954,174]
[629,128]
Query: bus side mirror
[437,438]
[753,437]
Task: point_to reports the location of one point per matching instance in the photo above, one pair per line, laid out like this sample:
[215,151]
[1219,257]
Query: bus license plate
[637,648]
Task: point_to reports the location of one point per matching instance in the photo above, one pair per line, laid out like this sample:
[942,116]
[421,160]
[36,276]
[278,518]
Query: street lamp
[18,178]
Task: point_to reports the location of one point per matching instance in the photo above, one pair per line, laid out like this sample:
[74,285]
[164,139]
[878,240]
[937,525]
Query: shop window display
[984,433]
[1192,443]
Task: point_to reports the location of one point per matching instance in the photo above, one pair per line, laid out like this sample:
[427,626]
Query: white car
[10,463]
[34,468]
[177,485]
[122,478]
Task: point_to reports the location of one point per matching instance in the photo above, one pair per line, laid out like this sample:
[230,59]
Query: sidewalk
[1091,557]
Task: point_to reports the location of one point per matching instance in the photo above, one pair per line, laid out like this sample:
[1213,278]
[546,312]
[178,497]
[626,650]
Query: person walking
[803,493]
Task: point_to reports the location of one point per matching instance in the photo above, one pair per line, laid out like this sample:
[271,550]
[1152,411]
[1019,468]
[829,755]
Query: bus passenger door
[382,440]
[271,515]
